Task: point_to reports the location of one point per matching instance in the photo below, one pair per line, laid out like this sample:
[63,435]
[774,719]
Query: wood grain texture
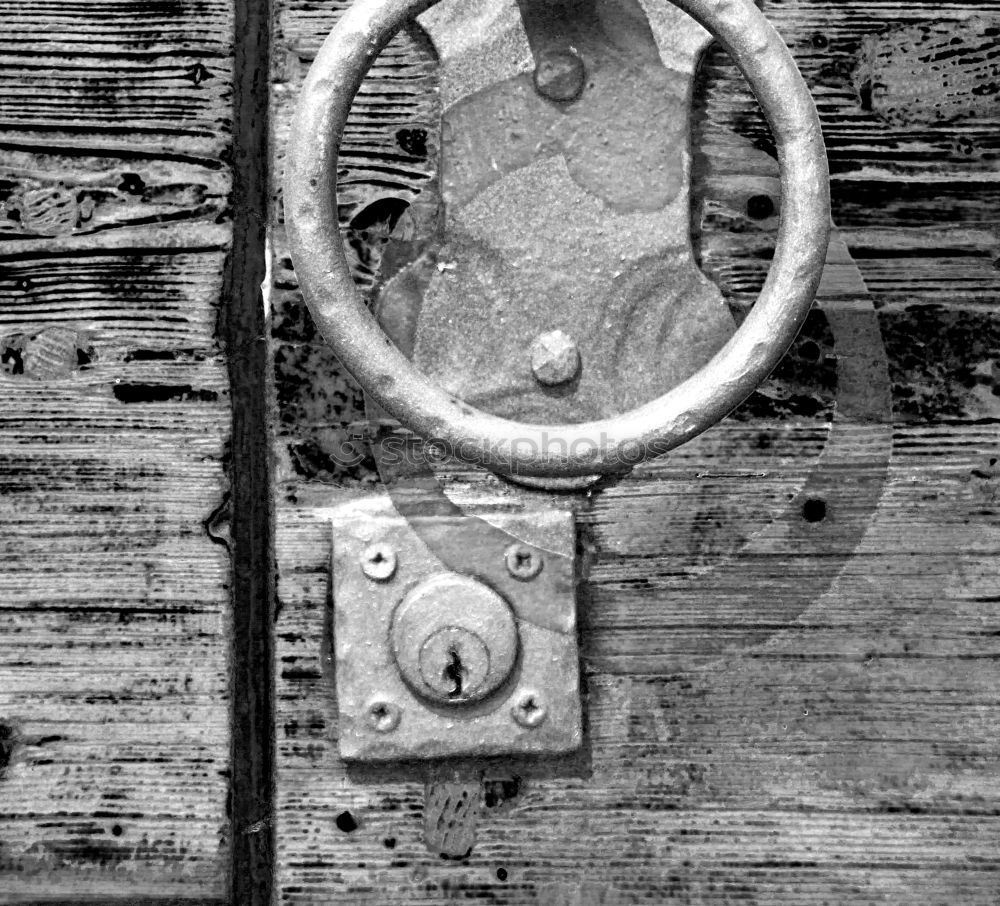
[789,632]
[118,74]
[114,598]
[827,42]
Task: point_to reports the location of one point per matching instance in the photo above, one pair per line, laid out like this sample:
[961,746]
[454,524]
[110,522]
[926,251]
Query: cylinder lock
[454,640]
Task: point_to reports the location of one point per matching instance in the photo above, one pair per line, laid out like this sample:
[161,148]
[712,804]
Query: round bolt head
[555,358]
[523,562]
[383,716]
[378,561]
[528,710]
[560,75]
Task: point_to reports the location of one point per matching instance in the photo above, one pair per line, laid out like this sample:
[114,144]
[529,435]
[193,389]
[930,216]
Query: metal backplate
[380,559]
[568,216]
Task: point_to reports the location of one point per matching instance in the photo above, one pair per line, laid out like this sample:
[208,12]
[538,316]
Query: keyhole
[454,672]
[453,664]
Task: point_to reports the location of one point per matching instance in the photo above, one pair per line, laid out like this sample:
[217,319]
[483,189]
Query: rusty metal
[550,450]
[432,664]
[561,217]
[560,75]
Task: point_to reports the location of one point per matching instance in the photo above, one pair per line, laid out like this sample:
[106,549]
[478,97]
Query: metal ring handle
[556,451]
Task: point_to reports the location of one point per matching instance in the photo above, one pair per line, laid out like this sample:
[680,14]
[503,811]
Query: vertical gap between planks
[243,330]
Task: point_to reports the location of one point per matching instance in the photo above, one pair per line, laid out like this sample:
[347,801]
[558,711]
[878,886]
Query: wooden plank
[788,632]
[114,598]
[827,41]
[118,74]
[798,748]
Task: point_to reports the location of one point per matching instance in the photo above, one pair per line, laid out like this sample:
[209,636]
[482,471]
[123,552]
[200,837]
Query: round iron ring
[556,451]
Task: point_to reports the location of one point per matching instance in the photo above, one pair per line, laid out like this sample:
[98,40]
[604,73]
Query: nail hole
[132,183]
[389,842]
[8,742]
[12,360]
[413,141]
[814,510]
[810,351]
[346,822]
[760,207]
[501,874]
[501,792]
[117,831]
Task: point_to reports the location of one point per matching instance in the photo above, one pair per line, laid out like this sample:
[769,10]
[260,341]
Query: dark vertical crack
[243,330]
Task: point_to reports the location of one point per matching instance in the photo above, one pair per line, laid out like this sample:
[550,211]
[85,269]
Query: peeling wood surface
[789,635]
[114,602]
[930,73]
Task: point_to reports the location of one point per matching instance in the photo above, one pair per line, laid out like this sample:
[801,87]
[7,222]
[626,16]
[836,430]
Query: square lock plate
[452,636]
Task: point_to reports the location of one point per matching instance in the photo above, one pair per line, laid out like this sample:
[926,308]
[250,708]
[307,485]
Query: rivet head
[378,561]
[555,358]
[523,562]
[560,75]
[528,710]
[383,716]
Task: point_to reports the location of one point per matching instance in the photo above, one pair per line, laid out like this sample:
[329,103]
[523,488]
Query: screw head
[555,358]
[523,562]
[383,716]
[560,75]
[378,561]
[528,710]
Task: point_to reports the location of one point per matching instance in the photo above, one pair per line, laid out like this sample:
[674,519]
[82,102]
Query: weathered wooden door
[788,630]
[134,648]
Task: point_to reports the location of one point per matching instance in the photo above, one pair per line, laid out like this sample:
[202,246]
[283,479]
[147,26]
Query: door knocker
[456,635]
